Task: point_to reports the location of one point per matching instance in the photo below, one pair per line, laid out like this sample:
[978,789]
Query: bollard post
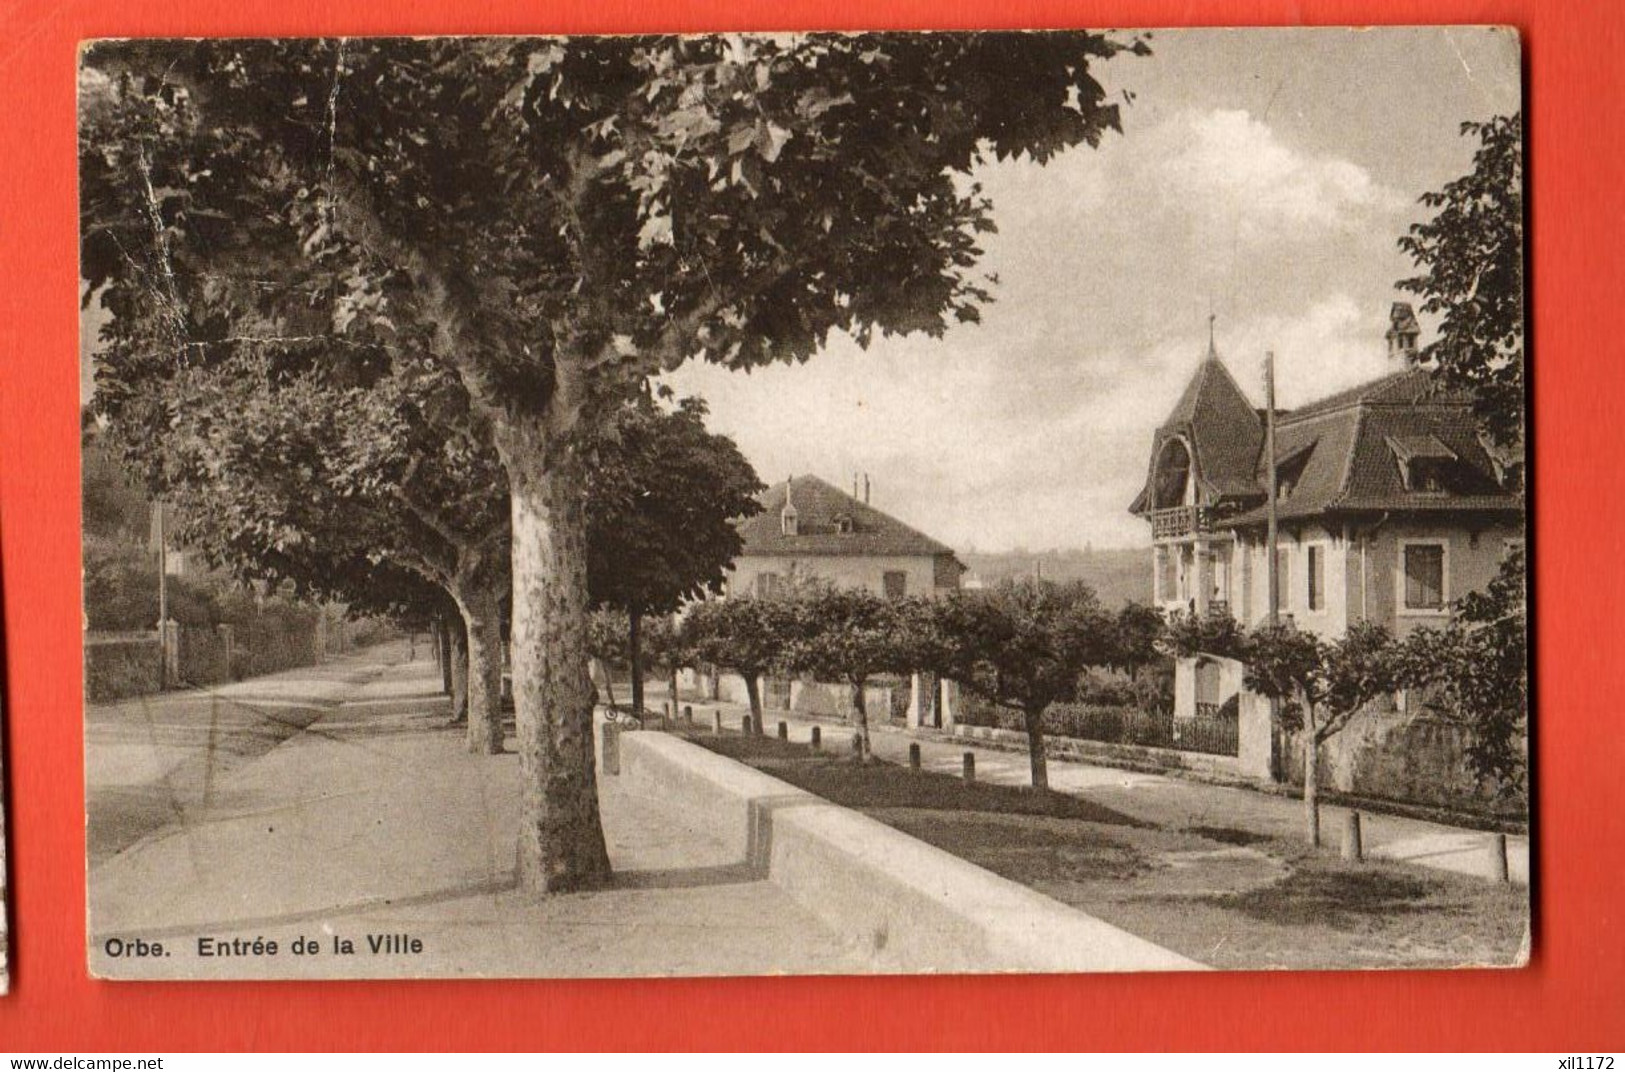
[688,714]
[744,725]
[784,731]
[1499,872]
[1353,843]
[857,743]
[969,764]
[817,738]
[610,753]
[914,755]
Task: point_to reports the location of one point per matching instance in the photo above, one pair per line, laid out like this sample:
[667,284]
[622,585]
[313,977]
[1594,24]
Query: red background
[1572,996]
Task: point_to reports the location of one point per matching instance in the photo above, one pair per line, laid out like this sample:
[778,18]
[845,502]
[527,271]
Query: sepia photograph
[818,503]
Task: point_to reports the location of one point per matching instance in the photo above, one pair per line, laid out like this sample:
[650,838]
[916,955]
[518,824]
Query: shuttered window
[896,583]
[1424,576]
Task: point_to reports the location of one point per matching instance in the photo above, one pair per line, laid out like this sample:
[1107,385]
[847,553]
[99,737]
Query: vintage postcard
[818,503]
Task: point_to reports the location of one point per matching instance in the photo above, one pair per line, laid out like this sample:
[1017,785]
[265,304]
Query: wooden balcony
[1179,521]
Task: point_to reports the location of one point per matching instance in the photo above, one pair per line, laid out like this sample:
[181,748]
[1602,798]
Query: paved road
[336,803]
[153,760]
[1178,803]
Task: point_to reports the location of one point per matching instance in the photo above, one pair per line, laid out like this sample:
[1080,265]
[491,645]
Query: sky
[1262,177]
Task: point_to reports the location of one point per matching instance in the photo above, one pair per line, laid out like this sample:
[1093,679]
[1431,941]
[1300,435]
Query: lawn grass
[1226,897]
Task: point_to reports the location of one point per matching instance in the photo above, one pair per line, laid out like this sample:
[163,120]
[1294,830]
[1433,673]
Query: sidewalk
[372,819]
[1168,802]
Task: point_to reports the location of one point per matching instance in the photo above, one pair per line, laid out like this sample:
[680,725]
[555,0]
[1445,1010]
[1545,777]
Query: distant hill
[1118,575]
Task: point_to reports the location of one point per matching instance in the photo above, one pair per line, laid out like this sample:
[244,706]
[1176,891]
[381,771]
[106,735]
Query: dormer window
[1424,462]
[843,524]
[1289,468]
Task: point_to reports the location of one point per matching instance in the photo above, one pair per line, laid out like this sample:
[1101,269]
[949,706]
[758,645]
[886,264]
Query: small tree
[1319,685]
[1136,632]
[1189,634]
[1475,673]
[666,651]
[1024,645]
[745,636]
[607,637]
[847,635]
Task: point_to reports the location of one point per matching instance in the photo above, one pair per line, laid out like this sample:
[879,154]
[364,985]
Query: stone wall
[1387,754]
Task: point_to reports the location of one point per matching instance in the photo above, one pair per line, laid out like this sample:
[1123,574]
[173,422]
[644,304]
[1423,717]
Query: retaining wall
[918,908]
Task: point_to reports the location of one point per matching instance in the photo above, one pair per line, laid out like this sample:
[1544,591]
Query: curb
[915,907]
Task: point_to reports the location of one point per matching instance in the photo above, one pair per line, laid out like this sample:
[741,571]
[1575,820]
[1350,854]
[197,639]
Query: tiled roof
[1354,466]
[1223,429]
[818,506]
[1338,453]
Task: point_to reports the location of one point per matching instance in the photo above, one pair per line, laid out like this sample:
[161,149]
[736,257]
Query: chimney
[866,489]
[789,524]
[1403,332]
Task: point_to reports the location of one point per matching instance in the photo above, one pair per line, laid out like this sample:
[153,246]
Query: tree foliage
[1475,673]
[553,221]
[1318,686]
[1471,257]
[848,635]
[1188,634]
[1025,644]
[1136,636]
[663,497]
[748,637]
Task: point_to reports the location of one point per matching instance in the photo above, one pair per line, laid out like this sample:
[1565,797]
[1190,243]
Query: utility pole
[1274,558]
[163,599]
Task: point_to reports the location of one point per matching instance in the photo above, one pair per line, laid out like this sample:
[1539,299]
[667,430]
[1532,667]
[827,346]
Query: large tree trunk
[753,692]
[865,753]
[482,621]
[1311,775]
[1036,758]
[561,839]
[634,656]
[457,639]
[671,687]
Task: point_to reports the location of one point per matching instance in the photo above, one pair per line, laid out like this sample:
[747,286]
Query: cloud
[1229,167]
[1032,428]
[961,442]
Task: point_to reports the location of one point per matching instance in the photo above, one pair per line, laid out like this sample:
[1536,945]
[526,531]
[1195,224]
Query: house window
[843,525]
[768,585]
[895,583]
[1283,577]
[1167,578]
[1315,587]
[1424,576]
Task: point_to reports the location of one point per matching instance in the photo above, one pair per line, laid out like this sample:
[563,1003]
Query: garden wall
[1138,757]
[1386,754]
[802,697]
